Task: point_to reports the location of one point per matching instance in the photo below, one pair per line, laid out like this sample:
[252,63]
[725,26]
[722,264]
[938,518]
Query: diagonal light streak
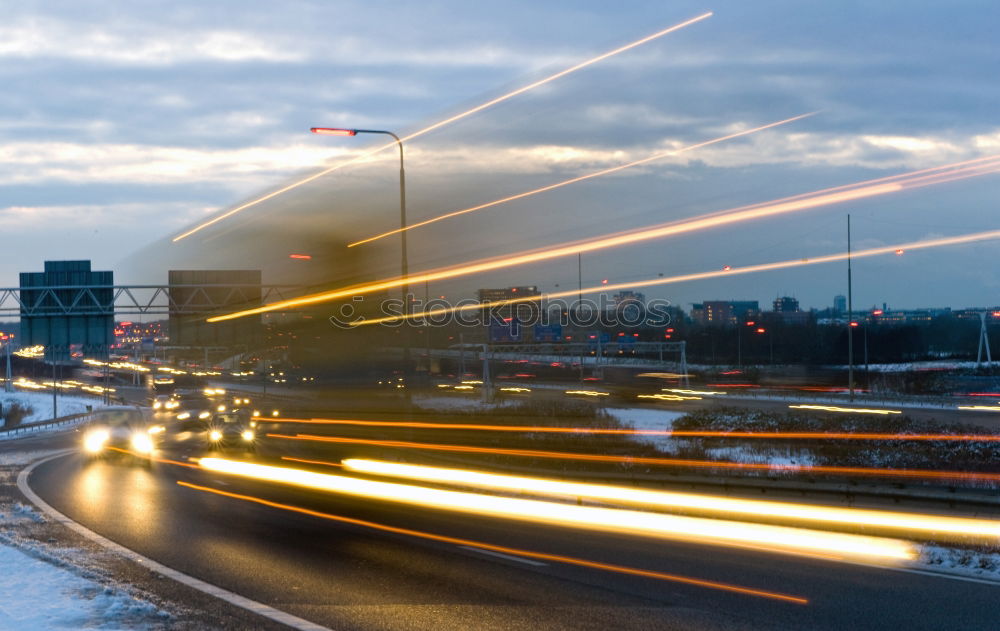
[986,531]
[748,269]
[442,123]
[861,190]
[582,178]
[929,474]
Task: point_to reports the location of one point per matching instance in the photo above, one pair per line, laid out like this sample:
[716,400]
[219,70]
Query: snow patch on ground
[46,587]
[41,404]
[17,458]
[961,561]
[42,596]
[647,419]
[776,456]
[460,401]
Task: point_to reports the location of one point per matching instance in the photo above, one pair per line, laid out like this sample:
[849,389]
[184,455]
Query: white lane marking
[501,555]
[955,577]
[232,598]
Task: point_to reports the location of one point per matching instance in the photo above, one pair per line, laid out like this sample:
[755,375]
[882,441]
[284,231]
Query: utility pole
[55,414]
[461,356]
[739,346]
[984,342]
[9,384]
[487,378]
[579,303]
[850,317]
[427,327]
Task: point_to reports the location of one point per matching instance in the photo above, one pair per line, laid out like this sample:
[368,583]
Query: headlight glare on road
[247,435]
[93,441]
[156,429]
[142,443]
[215,435]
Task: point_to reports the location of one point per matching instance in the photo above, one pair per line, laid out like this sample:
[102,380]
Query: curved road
[350,577]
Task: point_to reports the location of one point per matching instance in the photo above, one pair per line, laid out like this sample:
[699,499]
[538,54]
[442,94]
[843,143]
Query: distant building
[507,293]
[839,305]
[786,304]
[627,297]
[504,324]
[724,312]
[786,309]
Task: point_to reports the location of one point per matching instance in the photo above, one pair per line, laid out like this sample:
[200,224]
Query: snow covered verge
[53,595]
[40,404]
[980,563]
[49,586]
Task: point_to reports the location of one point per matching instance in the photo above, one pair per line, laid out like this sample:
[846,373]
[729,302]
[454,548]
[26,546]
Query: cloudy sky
[122,124]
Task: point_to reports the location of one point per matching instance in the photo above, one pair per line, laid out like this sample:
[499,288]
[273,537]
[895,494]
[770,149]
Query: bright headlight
[157,405]
[183,416]
[172,404]
[156,429]
[142,443]
[93,441]
[215,435]
[204,414]
[247,435]
[221,408]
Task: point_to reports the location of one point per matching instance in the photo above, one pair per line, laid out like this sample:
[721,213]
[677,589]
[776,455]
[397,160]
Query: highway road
[346,576]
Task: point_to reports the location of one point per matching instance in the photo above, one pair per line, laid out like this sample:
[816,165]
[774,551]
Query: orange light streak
[442,123]
[713,220]
[663,462]
[544,429]
[504,549]
[581,178]
[762,267]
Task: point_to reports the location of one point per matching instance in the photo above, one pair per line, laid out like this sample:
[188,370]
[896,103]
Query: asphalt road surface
[347,576]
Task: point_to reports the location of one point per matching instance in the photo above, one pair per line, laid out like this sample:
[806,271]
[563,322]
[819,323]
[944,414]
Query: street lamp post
[404,265]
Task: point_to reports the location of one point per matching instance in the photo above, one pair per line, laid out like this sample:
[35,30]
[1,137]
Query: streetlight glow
[333,131]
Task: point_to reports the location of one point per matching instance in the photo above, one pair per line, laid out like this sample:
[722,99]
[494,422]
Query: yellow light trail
[505,549]
[861,190]
[658,525]
[653,461]
[683,278]
[986,531]
[447,121]
[582,178]
[683,391]
[667,397]
[833,408]
[543,429]
[980,408]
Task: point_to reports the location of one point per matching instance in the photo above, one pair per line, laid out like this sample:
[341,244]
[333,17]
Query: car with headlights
[232,428]
[165,403]
[120,432]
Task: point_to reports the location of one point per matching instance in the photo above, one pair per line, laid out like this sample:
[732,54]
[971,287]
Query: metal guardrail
[31,428]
